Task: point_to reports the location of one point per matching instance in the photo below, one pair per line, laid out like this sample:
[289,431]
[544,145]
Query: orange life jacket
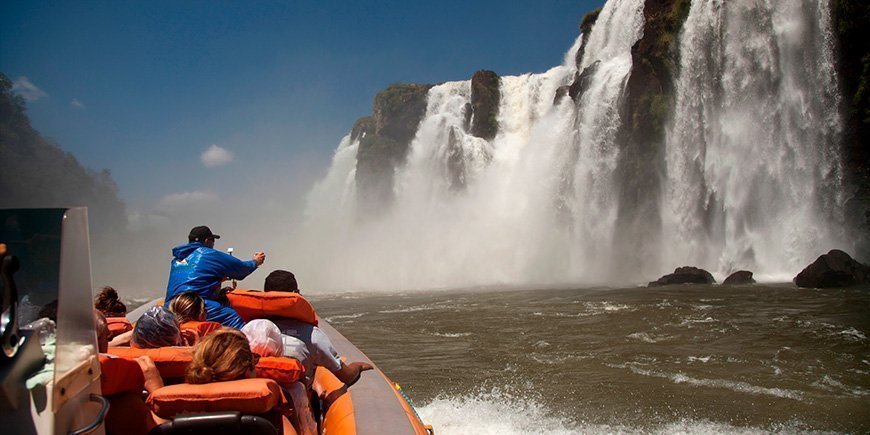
[118,326]
[202,328]
[171,362]
[251,304]
[280,369]
[118,374]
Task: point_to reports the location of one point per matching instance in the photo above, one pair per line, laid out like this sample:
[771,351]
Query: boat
[50,371]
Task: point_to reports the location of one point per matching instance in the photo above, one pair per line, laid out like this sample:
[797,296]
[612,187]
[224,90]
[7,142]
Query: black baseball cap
[201,234]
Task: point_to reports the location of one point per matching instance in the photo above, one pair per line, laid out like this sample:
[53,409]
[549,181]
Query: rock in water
[739,278]
[834,269]
[685,275]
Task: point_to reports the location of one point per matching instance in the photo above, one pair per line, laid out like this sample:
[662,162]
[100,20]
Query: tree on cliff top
[37,173]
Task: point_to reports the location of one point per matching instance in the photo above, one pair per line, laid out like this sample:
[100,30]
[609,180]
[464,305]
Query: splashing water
[752,170]
[752,179]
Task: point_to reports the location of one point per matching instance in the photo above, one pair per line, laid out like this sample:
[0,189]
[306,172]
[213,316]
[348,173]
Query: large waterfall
[751,181]
[753,176]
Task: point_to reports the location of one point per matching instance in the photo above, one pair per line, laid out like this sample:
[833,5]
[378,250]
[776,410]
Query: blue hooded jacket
[196,267]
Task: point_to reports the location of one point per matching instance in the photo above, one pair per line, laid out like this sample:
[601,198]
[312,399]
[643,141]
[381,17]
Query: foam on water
[451,334]
[497,412]
[741,387]
[493,412]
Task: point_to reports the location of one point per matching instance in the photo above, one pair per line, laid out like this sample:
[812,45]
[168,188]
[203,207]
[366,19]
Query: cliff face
[649,100]
[37,173]
[850,19]
[384,140]
[385,136]
[485,97]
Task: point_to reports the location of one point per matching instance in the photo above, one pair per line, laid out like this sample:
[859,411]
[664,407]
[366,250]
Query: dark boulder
[685,275]
[834,269]
[485,96]
[740,277]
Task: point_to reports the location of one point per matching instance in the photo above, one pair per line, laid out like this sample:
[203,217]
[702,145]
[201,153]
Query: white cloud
[177,203]
[22,86]
[215,156]
[77,104]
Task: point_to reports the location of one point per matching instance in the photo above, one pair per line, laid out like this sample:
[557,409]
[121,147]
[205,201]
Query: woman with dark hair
[108,303]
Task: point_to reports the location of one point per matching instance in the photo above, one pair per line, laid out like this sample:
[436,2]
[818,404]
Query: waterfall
[752,176]
[753,170]
[593,203]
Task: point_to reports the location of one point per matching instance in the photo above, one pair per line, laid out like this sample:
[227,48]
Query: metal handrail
[101,416]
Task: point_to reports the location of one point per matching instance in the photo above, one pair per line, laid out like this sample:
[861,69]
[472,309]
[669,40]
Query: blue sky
[145,88]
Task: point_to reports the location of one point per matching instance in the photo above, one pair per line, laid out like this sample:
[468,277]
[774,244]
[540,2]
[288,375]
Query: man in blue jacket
[198,267]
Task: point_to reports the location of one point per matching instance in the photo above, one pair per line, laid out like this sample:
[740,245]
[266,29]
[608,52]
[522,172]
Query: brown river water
[681,359]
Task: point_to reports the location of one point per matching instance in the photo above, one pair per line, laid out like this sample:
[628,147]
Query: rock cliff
[851,18]
[384,140]
[38,173]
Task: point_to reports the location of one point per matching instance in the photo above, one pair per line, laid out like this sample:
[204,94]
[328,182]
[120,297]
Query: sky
[223,106]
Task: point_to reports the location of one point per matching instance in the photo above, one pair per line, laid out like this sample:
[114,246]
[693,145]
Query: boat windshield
[54,280]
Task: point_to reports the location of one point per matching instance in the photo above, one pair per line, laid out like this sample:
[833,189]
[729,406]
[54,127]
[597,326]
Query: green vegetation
[658,56]
[399,109]
[589,20]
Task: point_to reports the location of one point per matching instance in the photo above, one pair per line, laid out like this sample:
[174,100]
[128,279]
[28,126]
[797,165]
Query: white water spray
[751,155]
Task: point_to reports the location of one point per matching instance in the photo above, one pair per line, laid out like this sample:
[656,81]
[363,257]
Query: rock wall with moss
[581,78]
[384,141]
[385,137]
[485,97]
[851,21]
[649,101]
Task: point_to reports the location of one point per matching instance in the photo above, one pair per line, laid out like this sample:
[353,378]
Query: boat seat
[233,402]
[216,423]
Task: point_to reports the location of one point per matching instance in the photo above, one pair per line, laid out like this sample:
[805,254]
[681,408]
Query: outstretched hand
[350,373]
[260,258]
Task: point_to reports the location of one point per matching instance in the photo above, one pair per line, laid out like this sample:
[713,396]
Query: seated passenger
[189,308]
[224,355]
[308,343]
[197,266]
[122,382]
[265,338]
[108,303]
[158,327]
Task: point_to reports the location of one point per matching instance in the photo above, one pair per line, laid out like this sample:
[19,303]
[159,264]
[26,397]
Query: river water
[694,359]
